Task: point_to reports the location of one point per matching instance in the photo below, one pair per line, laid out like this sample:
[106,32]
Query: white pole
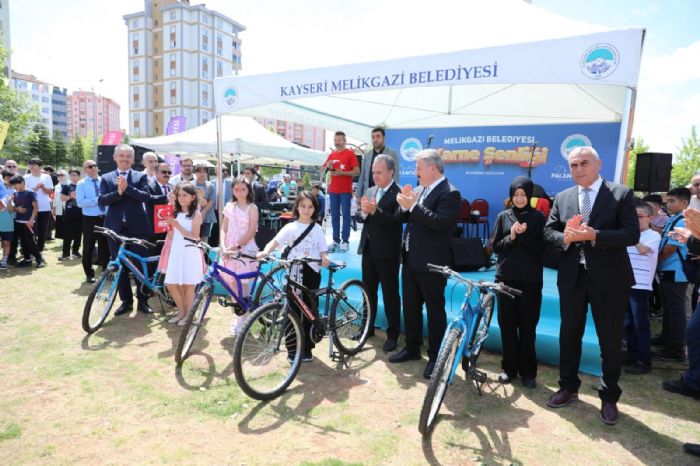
[625,136]
[220,172]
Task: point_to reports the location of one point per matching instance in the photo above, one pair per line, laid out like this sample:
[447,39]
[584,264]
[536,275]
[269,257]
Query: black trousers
[608,311]
[517,319]
[676,297]
[418,288]
[59,227]
[89,240]
[125,293]
[312,280]
[26,240]
[72,232]
[384,272]
[41,229]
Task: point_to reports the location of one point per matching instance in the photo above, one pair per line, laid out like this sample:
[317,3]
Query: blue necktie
[97,193]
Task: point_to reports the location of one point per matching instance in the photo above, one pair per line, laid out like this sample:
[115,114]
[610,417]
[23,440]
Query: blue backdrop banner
[482,161]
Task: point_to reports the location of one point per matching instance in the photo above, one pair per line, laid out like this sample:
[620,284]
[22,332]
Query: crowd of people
[617,253]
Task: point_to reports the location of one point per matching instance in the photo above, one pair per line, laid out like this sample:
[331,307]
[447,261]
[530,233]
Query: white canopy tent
[240,135]
[554,70]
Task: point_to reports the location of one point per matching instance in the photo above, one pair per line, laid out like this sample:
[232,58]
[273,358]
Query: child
[659,219]
[643,258]
[302,238]
[238,231]
[7,218]
[184,263]
[27,209]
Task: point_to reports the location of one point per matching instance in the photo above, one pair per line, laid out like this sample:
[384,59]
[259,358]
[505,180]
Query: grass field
[117,398]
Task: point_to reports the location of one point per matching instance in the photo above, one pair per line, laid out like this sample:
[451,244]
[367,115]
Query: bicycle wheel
[100,300]
[269,286]
[261,357]
[193,322]
[350,317]
[437,387]
[481,328]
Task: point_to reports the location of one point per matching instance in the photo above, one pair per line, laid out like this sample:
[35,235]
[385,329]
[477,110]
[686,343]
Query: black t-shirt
[71,209]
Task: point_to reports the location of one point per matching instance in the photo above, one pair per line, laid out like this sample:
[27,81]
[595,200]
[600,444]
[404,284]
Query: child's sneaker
[3,264]
[308,357]
[344,247]
[76,256]
[334,247]
[63,258]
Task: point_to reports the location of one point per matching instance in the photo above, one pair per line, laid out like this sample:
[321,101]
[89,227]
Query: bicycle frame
[214,273]
[312,314]
[125,258]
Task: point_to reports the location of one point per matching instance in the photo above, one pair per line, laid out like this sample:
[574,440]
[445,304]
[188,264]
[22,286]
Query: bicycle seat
[336,266]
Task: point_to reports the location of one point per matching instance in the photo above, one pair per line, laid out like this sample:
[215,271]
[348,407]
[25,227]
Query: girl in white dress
[185,270]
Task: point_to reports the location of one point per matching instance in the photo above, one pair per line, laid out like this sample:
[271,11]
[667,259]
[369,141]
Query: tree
[60,150]
[687,160]
[76,151]
[16,109]
[638,148]
[40,144]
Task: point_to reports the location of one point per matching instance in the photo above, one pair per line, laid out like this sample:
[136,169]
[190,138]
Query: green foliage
[40,144]
[639,147]
[76,151]
[686,161]
[60,151]
[306,181]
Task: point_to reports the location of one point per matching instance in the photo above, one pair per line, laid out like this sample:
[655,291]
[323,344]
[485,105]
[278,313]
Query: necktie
[586,213]
[97,193]
[380,193]
[122,174]
[164,188]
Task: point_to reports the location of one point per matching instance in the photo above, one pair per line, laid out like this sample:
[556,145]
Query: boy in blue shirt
[675,288]
[27,209]
[7,219]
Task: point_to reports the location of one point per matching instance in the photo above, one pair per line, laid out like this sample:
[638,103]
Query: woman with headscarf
[519,243]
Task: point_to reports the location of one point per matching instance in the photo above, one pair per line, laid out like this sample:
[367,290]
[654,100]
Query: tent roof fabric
[240,135]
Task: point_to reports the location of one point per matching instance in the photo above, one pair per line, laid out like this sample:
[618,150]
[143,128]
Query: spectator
[643,257]
[186,166]
[57,203]
[378,147]
[660,218]
[87,194]
[12,167]
[675,288]
[695,191]
[49,170]
[259,193]
[288,189]
[150,165]
[206,198]
[7,218]
[72,218]
[343,166]
[214,239]
[42,185]
[317,191]
[27,209]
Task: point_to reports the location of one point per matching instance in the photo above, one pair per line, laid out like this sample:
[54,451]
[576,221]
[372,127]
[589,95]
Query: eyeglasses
[695,185]
[90,166]
[10,166]
[642,216]
[166,173]
[61,175]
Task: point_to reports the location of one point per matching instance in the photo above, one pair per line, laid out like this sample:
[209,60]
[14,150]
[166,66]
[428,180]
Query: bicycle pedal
[223,302]
[478,376]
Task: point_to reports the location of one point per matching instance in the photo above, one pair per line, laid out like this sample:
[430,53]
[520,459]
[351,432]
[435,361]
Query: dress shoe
[609,413]
[692,449]
[669,355]
[562,398]
[428,372]
[404,355]
[529,382]
[657,340]
[143,308]
[90,280]
[638,368]
[125,308]
[680,387]
[390,345]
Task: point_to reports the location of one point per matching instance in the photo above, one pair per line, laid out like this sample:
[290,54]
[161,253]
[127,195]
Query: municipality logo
[230,96]
[572,142]
[410,148]
[600,61]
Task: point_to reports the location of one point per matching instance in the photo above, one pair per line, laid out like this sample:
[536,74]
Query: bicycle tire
[106,283]
[259,322]
[193,322]
[350,338]
[264,281]
[481,329]
[437,387]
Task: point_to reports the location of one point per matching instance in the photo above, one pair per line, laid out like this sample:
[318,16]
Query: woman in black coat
[519,243]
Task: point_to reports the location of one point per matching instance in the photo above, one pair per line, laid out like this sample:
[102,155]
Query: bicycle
[103,294]
[463,338]
[268,352]
[266,289]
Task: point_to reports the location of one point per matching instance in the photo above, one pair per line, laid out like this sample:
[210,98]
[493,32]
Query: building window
[137,100]
[205,117]
[219,23]
[35,87]
[219,69]
[45,99]
[172,113]
[205,40]
[135,43]
[35,98]
[173,39]
[173,93]
[205,68]
[44,110]
[205,95]
[173,64]
[172,15]
[219,45]
[136,71]
[135,23]
[205,19]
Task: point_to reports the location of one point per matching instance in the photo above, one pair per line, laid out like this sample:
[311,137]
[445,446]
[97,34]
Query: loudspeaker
[468,254]
[653,172]
[105,158]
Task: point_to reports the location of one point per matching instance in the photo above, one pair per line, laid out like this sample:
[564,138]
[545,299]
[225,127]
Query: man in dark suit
[365,180]
[159,190]
[259,193]
[380,246]
[124,192]
[592,223]
[431,213]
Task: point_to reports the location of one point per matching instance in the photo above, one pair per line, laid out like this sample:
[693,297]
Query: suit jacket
[366,170]
[382,230]
[614,216]
[157,198]
[431,226]
[260,196]
[129,205]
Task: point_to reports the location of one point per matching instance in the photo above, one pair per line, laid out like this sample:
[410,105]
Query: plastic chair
[465,216]
[482,218]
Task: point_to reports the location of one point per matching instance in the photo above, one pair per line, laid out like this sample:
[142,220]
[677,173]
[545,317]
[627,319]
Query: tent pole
[220,172]
[623,149]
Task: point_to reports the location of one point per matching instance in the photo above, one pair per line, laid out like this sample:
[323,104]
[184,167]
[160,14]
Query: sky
[75,43]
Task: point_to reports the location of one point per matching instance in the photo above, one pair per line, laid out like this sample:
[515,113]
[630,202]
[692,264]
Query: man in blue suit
[123,192]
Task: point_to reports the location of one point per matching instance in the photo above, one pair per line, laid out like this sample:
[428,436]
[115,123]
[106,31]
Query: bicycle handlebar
[236,255]
[481,284]
[124,239]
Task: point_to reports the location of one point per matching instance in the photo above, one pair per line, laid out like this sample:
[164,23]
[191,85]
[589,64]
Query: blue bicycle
[101,298]
[263,288]
[463,339]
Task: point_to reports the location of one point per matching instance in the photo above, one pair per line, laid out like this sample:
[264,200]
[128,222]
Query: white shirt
[695,202]
[311,246]
[177,178]
[151,178]
[426,192]
[644,266]
[595,189]
[43,199]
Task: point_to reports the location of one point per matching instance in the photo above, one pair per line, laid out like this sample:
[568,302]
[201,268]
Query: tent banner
[112,138]
[482,161]
[611,57]
[177,124]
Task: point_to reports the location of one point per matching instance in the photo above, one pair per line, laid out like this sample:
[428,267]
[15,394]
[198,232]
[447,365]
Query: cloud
[683,64]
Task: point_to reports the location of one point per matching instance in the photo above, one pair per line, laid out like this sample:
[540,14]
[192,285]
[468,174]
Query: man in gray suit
[365,181]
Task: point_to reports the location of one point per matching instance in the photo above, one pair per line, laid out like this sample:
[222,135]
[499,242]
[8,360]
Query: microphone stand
[532,156]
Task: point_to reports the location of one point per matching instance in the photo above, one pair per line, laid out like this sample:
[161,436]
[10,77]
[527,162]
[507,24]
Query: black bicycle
[270,347]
